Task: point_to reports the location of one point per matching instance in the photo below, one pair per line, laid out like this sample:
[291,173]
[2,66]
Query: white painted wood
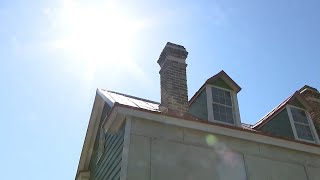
[236,109]
[310,123]
[292,122]
[125,152]
[251,136]
[235,106]
[209,103]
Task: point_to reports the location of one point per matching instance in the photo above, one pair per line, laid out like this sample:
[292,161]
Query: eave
[120,112]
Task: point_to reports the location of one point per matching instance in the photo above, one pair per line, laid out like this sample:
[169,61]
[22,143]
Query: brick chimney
[312,96]
[173,78]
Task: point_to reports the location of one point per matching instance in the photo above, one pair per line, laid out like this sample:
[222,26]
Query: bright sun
[97,34]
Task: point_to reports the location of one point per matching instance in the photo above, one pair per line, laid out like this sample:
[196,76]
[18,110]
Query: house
[201,138]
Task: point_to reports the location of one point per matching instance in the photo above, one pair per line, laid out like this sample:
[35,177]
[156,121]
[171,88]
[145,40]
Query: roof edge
[217,128]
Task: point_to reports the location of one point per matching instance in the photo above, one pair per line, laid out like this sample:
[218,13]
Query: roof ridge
[134,97]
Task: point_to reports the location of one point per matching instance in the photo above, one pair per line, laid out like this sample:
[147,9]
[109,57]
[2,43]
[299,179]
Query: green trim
[221,83]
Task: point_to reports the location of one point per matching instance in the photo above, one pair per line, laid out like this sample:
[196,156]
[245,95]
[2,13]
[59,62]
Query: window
[222,105]
[302,124]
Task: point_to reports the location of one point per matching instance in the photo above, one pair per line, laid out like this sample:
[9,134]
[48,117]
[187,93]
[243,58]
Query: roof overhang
[92,130]
[120,112]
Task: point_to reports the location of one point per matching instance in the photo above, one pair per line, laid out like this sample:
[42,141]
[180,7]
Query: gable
[279,125]
[105,111]
[221,83]
[99,111]
[223,80]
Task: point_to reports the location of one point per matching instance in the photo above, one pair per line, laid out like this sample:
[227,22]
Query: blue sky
[54,54]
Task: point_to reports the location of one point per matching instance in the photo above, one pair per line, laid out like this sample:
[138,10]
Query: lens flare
[211,140]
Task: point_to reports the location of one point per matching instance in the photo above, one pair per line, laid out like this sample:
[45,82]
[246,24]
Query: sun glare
[97,34]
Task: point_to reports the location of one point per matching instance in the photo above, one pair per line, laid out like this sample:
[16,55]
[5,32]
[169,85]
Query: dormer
[216,101]
[290,119]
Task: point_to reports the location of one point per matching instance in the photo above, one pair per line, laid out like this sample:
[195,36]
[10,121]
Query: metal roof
[130,100]
[116,97]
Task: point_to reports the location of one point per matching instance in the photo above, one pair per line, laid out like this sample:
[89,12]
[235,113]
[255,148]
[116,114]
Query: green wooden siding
[199,106]
[109,164]
[279,125]
[221,83]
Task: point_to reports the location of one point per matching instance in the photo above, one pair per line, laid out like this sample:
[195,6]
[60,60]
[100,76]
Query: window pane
[303,132]
[215,98]
[222,113]
[223,117]
[217,116]
[299,115]
[228,102]
[222,100]
[215,108]
[214,91]
[229,111]
[221,92]
[227,94]
[221,96]
[230,119]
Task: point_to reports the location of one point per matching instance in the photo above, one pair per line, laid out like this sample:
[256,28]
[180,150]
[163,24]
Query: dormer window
[222,105]
[302,126]
[216,101]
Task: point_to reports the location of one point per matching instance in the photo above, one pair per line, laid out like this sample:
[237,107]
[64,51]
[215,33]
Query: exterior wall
[199,106]
[162,151]
[108,166]
[279,125]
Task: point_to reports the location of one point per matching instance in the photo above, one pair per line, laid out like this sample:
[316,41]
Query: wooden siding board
[199,106]
[111,156]
[109,164]
[112,167]
[279,125]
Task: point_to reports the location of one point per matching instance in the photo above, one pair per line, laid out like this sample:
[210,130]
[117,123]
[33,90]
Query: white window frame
[312,128]
[235,107]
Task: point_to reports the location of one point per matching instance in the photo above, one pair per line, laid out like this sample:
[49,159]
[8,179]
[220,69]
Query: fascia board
[86,152]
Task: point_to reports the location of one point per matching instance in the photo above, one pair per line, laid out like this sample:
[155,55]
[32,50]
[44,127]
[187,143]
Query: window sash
[222,105]
[306,133]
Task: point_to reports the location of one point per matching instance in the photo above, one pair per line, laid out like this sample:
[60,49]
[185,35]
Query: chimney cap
[174,50]
[306,87]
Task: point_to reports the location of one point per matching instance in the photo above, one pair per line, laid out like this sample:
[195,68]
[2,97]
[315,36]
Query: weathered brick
[312,96]
[173,79]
